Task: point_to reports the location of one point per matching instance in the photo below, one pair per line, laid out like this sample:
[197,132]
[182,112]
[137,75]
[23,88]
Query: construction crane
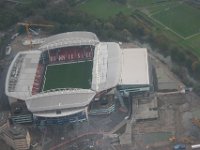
[28,25]
[185,139]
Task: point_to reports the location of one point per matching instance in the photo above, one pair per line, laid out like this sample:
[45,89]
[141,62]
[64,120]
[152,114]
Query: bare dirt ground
[175,113]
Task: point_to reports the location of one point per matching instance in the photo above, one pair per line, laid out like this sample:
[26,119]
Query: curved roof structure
[21,74]
[64,99]
[69,39]
[65,112]
[107,66]
[112,66]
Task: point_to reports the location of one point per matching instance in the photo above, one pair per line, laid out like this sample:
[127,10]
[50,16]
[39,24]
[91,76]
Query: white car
[8,50]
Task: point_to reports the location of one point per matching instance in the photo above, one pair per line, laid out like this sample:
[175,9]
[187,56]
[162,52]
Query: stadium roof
[69,39]
[64,112]
[60,100]
[21,74]
[107,66]
[135,69]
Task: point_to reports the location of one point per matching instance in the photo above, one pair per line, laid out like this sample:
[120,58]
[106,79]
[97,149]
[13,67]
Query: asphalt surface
[4,104]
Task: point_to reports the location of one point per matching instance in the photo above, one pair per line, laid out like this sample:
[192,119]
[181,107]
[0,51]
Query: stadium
[59,80]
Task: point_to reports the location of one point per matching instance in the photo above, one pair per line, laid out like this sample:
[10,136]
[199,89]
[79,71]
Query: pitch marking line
[44,79]
[191,36]
[167,28]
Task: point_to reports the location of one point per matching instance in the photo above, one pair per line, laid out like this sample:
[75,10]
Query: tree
[196,68]
[119,21]
[178,56]
[126,34]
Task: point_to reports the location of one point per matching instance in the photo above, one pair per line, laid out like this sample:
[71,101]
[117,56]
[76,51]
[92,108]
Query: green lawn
[183,19]
[74,75]
[103,8]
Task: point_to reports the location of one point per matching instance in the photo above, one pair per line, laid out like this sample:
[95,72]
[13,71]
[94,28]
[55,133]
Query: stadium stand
[61,55]
[80,117]
[71,54]
[38,79]
[15,73]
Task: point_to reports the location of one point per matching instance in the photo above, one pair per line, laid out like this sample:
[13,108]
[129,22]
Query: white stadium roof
[21,74]
[64,99]
[135,69]
[69,39]
[107,66]
[65,112]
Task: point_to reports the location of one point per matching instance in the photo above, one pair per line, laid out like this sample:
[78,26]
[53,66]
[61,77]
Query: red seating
[38,79]
[70,54]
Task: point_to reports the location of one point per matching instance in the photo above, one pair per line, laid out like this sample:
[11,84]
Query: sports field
[103,8]
[74,75]
[176,19]
[183,19]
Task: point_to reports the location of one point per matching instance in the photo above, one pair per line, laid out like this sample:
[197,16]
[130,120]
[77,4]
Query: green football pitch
[73,75]
[182,19]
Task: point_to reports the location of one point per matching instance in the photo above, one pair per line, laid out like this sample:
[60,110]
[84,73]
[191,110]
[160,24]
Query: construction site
[157,119]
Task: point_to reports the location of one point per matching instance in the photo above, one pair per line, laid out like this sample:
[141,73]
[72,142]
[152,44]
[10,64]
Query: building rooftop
[135,69]
[62,99]
[19,108]
[107,66]
[16,132]
[69,39]
[21,74]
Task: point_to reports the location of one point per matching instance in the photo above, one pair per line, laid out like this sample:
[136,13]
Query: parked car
[179,147]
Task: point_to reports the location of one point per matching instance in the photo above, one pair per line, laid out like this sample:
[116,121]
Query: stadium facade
[68,71]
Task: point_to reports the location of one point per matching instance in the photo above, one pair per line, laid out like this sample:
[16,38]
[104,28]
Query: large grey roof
[64,112]
[135,67]
[21,74]
[60,100]
[106,66]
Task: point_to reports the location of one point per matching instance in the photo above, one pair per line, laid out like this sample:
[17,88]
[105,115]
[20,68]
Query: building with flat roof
[135,73]
[17,137]
[4,121]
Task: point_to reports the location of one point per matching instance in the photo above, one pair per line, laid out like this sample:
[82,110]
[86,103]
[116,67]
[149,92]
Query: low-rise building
[4,121]
[16,137]
[20,113]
